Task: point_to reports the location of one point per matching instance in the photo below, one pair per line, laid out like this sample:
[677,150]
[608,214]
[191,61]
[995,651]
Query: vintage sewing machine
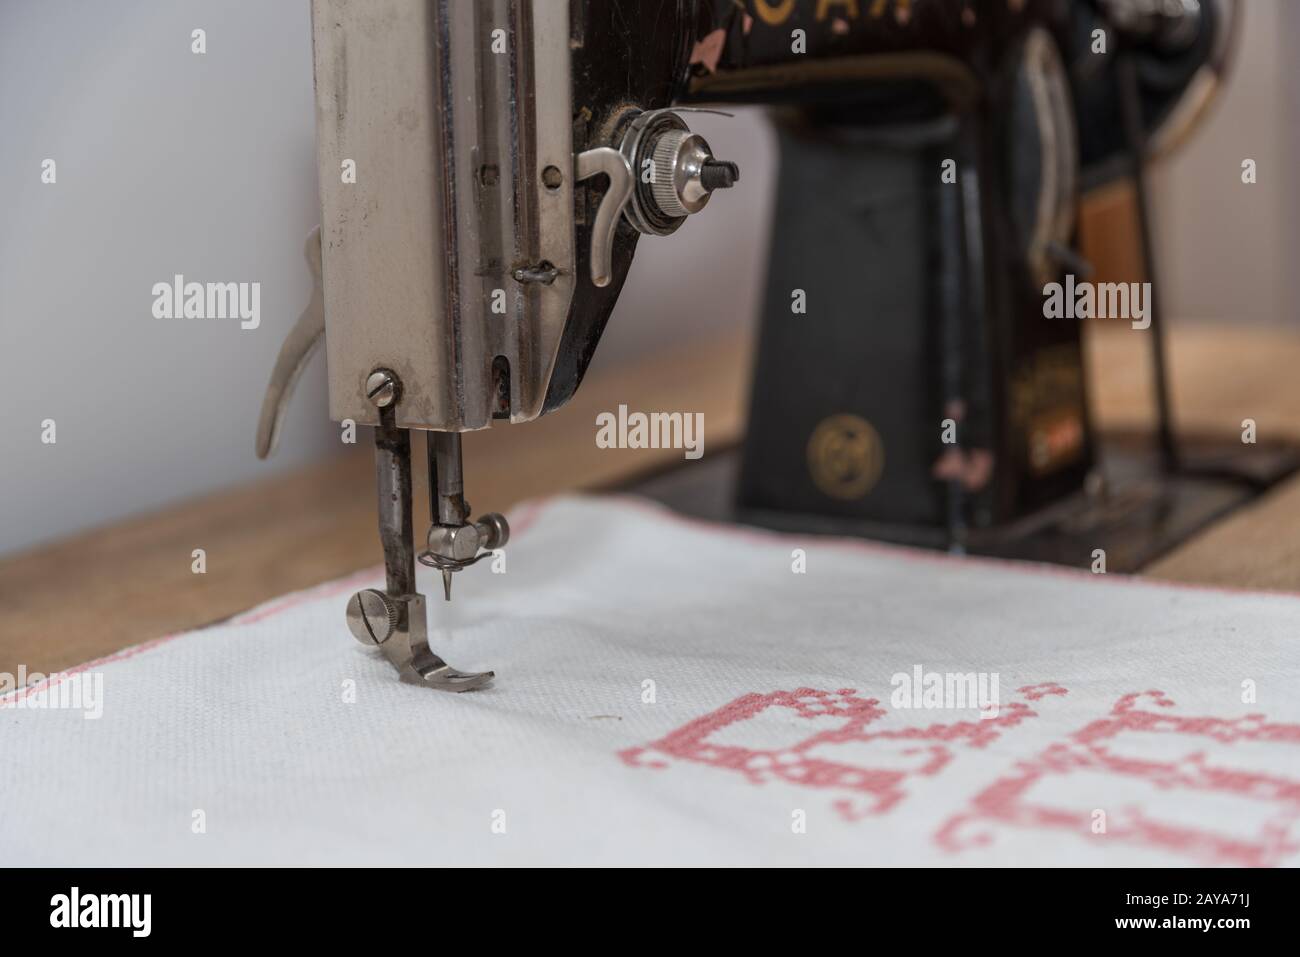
[488,168]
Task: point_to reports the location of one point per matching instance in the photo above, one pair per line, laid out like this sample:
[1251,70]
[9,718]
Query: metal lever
[296,351]
[607,160]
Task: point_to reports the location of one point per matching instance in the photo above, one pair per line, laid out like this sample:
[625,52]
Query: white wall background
[1228,250]
[170,162]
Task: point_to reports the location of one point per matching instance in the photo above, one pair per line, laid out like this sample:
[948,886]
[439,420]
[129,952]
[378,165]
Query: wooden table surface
[104,590]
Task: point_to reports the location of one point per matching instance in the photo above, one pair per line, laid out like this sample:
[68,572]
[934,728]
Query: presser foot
[442,676]
[395,620]
[397,626]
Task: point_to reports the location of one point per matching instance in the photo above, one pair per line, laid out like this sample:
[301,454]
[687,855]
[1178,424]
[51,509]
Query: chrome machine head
[485,171]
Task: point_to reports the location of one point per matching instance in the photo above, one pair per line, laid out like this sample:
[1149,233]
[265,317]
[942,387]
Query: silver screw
[372,616]
[381,388]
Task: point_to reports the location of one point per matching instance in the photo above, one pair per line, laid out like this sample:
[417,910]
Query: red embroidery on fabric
[1092,749]
[866,790]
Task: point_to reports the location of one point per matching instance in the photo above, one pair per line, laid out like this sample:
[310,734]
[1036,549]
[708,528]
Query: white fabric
[247,721]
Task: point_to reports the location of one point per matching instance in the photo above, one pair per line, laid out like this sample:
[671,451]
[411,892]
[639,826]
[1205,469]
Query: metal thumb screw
[372,616]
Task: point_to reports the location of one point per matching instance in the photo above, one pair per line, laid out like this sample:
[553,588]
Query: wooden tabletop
[107,589]
[1222,375]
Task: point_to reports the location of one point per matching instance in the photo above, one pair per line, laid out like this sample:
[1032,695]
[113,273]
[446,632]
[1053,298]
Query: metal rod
[446,488]
[446,479]
[393,478]
[952,305]
[1135,133]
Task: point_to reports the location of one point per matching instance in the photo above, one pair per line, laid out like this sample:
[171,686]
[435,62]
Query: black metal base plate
[1138,513]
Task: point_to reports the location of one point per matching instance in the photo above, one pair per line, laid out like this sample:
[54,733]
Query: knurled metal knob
[372,616]
[685,173]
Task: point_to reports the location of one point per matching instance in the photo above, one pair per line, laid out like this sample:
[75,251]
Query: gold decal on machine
[845,456]
[776,12]
[1047,409]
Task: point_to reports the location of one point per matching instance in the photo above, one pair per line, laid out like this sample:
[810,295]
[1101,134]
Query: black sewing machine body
[908,383]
